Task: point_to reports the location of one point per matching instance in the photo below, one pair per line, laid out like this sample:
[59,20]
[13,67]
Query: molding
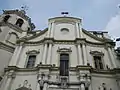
[6,47]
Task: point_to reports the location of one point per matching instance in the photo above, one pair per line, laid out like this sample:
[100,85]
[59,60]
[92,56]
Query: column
[84,54]
[82,87]
[52,29]
[77,28]
[111,57]
[15,56]
[49,53]
[49,29]
[80,60]
[44,54]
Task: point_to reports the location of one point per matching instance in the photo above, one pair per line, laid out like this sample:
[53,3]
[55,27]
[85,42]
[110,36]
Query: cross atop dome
[64,13]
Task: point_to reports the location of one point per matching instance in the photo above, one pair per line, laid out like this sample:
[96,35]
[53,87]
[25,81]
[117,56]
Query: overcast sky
[96,14]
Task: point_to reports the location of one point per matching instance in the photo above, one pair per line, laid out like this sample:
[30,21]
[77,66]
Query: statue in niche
[41,81]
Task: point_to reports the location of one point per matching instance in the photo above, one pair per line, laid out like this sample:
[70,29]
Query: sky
[95,14]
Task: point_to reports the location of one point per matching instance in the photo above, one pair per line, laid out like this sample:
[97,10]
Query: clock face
[64,30]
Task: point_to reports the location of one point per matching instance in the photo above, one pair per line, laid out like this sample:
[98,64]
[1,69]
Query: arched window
[64,64]
[6,18]
[31,61]
[19,22]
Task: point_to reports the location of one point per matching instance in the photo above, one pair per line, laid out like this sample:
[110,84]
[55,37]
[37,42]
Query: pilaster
[49,53]
[16,55]
[77,29]
[52,29]
[11,75]
[44,54]
[110,54]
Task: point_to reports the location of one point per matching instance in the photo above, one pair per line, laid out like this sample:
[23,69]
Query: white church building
[64,56]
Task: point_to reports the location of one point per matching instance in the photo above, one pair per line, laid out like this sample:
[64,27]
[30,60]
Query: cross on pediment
[64,13]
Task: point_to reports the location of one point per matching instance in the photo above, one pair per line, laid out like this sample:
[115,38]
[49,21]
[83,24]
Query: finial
[24,8]
[64,13]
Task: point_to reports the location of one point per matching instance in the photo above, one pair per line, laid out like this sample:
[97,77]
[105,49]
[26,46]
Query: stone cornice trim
[17,12]
[77,68]
[82,41]
[111,71]
[6,47]
[95,37]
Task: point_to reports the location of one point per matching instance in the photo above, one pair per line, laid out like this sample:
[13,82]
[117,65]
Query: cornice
[17,12]
[54,68]
[66,18]
[7,47]
[70,42]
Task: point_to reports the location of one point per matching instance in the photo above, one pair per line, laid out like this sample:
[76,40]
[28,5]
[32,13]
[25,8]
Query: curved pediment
[64,49]
[96,53]
[32,52]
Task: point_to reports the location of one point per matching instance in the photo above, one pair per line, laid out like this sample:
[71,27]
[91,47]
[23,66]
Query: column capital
[11,74]
[80,41]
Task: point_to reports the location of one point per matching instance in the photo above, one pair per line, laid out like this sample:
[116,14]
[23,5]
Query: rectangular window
[64,64]
[31,61]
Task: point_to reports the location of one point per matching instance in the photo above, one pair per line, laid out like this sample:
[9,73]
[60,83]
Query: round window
[64,30]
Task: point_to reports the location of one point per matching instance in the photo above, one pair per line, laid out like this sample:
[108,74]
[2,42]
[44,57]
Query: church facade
[63,56]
